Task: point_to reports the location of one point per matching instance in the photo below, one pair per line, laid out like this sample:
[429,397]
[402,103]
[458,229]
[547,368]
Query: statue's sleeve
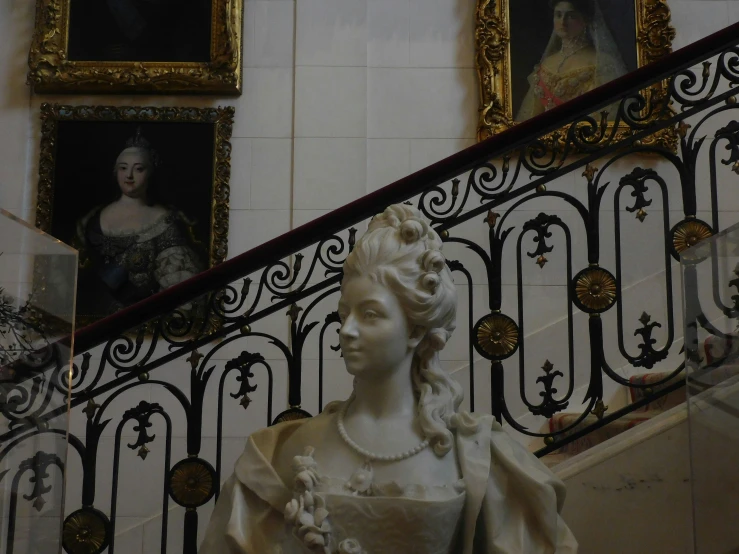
[243,523]
[248,517]
[224,535]
[522,504]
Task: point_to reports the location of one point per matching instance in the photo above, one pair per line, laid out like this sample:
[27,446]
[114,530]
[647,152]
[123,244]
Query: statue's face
[375,336]
[568,21]
[133,170]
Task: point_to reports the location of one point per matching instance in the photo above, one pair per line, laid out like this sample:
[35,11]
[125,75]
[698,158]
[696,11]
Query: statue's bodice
[398,524]
[506,501]
[385,518]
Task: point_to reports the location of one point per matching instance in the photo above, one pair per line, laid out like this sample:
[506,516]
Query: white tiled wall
[341,97]
[16,21]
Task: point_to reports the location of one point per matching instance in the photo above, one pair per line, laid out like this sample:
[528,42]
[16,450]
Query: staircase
[565,424]
[644,386]
[159,400]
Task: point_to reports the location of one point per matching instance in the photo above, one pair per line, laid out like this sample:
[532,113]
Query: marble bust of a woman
[396,468]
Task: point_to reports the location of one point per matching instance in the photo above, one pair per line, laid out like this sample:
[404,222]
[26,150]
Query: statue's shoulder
[478,432]
[472,423]
[295,436]
[312,430]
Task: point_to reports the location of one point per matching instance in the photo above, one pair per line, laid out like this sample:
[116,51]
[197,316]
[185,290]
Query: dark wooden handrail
[363,208]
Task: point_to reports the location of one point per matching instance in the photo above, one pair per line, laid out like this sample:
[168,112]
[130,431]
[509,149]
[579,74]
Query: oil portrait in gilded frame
[533,55]
[137,46]
[141,192]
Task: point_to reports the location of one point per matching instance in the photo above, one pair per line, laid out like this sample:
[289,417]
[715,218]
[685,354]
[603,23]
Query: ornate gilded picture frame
[137,46]
[532,55]
[141,192]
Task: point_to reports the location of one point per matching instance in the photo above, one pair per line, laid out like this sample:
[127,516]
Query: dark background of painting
[177,31]
[530,29]
[83,174]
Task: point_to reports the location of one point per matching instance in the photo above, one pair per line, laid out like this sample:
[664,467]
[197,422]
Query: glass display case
[37,299]
[710,272]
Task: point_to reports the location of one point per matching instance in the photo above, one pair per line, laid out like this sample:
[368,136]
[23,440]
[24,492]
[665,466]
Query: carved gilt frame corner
[51,71]
[654,36]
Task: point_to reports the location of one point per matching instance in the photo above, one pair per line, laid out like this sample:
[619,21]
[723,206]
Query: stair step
[554,459]
[566,419]
[675,398]
[712,349]
[716,348]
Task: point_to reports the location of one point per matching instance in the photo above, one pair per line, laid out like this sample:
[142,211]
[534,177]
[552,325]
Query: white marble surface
[440,33]
[271,173]
[321,185]
[331,102]
[269,26]
[388,33]
[264,109]
[240,182]
[250,228]
[421,102]
[387,161]
[331,33]
[632,493]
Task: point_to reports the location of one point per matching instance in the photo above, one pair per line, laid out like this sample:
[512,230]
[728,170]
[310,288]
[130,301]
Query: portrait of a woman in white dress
[581,54]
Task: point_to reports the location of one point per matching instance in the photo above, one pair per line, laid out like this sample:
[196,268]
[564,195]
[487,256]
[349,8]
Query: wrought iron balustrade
[186,356]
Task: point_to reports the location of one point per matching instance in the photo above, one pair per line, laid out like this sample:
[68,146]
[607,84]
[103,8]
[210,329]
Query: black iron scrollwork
[243,363]
[637,179]
[16,400]
[731,134]
[648,356]
[549,405]
[39,466]
[735,283]
[141,414]
[540,225]
[331,318]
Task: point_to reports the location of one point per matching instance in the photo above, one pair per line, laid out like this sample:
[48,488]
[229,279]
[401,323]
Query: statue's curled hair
[402,252]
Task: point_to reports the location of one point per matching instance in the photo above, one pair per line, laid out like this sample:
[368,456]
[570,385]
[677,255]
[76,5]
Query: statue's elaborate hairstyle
[402,252]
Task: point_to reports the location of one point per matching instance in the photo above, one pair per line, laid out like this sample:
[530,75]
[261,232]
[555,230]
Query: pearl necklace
[371,456]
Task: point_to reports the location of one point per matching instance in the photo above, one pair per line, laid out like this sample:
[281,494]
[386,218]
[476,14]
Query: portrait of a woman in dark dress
[133,246]
[140,30]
